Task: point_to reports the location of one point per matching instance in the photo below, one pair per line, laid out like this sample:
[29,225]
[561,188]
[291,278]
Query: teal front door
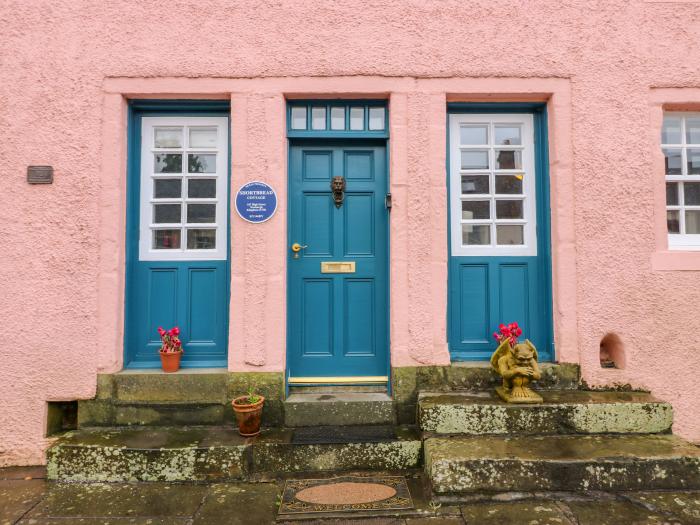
[177,242]
[499,230]
[337,262]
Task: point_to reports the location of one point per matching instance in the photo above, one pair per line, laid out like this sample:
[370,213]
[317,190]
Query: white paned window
[680,143]
[492,185]
[184,188]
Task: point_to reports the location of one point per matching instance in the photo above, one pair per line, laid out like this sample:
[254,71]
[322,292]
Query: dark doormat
[343,434]
[345,494]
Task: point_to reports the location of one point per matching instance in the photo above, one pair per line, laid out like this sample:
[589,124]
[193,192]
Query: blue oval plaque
[256,202]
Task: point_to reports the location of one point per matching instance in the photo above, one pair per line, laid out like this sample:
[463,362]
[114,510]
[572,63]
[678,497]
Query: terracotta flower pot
[170,361]
[248,415]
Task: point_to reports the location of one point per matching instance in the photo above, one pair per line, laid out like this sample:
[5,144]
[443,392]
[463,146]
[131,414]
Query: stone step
[342,408]
[218,453]
[461,465]
[563,412]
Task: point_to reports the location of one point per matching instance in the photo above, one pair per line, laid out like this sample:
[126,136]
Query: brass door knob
[296,247]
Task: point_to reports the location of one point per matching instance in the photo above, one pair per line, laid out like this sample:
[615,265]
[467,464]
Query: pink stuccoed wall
[607,69]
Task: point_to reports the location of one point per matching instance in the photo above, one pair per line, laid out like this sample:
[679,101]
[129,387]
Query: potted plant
[170,349]
[248,410]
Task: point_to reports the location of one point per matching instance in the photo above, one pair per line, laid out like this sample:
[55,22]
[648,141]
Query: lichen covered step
[562,412]
[217,453]
[466,464]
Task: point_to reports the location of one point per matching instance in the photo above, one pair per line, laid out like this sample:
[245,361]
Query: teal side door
[338,280]
[499,267]
[177,231]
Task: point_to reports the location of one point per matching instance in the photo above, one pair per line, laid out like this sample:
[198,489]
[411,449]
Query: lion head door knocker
[338,189]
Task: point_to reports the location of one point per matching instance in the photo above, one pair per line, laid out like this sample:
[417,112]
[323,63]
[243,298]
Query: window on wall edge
[680,146]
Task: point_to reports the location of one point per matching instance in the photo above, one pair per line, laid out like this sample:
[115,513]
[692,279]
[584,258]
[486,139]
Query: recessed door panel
[359,224]
[359,306]
[318,220]
[474,311]
[317,314]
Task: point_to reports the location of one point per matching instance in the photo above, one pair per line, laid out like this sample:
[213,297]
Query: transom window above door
[184,188]
[680,143]
[492,185]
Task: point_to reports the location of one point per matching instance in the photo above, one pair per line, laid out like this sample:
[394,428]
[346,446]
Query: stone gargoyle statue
[517,365]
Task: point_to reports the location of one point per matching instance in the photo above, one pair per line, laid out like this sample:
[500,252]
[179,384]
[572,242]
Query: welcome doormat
[345,494]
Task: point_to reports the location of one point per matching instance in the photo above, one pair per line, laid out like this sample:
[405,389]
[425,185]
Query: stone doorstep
[462,465]
[215,453]
[342,408]
[563,412]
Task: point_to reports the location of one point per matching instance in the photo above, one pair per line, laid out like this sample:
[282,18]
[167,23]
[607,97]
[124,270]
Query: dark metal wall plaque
[40,174]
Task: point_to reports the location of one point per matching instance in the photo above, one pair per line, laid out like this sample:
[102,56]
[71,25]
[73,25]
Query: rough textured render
[67,69]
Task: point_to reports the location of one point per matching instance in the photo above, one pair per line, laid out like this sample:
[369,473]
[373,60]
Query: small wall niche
[612,351]
[61,416]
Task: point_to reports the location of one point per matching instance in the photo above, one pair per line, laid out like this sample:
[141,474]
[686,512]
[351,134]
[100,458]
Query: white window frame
[529,220]
[682,241]
[147,200]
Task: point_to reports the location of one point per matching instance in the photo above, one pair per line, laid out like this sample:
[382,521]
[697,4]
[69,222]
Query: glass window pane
[166,213]
[201,213]
[167,163]
[376,119]
[475,184]
[167,188]
[201,239]
[479,234]
[509,184]
[507,136]
[477,135]
[672,194]
[692,193]
[198,163]
[509,209]
[203,137]
[673,161]
[318,118]
[692,130]
[357,119]
[671,130]
[475,210]
[166,239]
[337,118]
[693,161]
[475,159]
[509,234]
[168,137]
[201,188]
[673,222]
[298,117]
[692,221]
[509,160]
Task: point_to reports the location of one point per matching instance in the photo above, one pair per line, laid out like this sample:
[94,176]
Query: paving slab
[617,513]
[529,512]
[683,505]
[17,497]
[562,412]
[239,504]
[105,521]
[561,463]
[117,500]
